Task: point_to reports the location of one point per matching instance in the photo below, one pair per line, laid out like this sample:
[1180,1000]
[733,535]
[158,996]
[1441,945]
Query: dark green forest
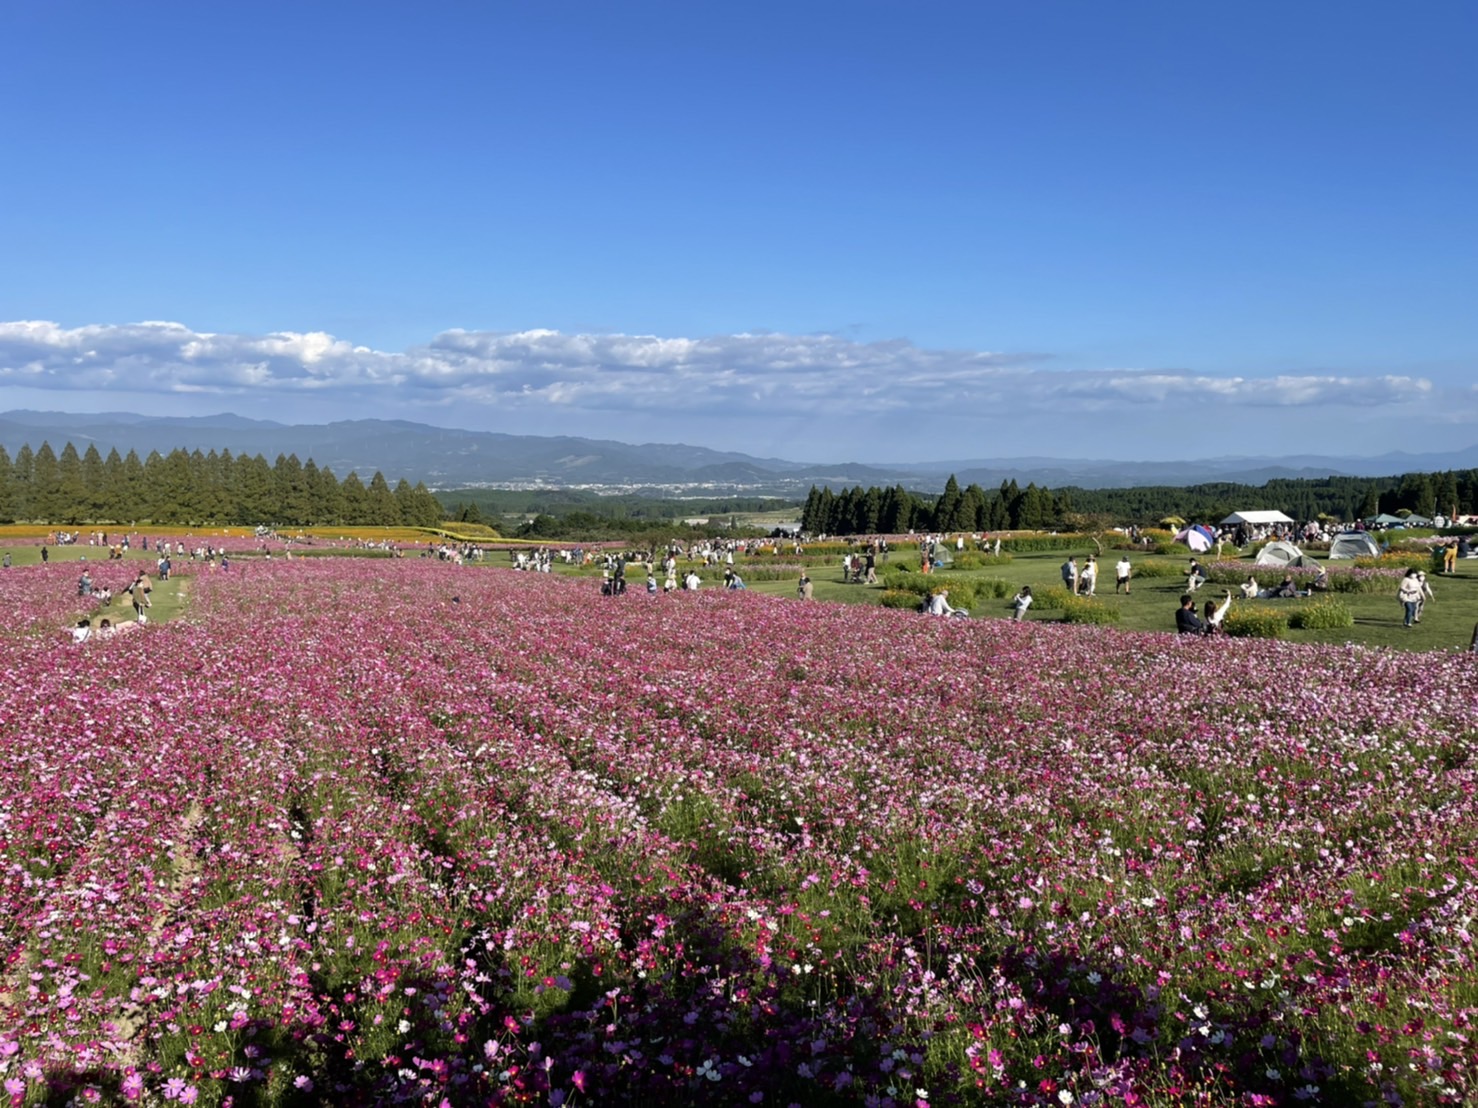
[197,489]
[859,511]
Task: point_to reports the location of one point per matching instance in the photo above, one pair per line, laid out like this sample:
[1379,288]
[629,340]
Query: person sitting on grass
[1186,620]
[1250,588]
[83,631]
[1195,577]
[939,604]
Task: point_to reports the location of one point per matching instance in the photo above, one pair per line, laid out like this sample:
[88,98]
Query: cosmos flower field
[371,832]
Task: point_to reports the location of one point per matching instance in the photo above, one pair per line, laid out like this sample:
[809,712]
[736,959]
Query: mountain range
[446,458]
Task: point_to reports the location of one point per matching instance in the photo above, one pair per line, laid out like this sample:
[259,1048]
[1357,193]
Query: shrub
[1395,560]
[992,587]
[961,593]
[1255,623]
[1030,543]
[1085,609]
[1326,613]
[1158,569]
[1053,599]
[900,598]
[974,559]
[897,577]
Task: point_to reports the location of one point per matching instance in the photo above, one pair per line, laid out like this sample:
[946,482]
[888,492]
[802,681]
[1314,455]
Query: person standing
[142,587]
[1425,596]
[1088,579]
[804,589]
[1070,575]
[1449,557]
[1122,571]
[1410,595]
[1021,603]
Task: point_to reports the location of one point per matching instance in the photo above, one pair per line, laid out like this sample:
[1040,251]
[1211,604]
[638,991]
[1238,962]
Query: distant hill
[448,458]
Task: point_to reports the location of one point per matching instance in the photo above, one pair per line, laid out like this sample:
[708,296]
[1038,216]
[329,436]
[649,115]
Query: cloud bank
[537,380]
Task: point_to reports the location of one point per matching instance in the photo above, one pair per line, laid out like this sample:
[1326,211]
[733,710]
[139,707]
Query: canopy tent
[1255,519]
[1199,538]
[1280,554]
[1415,520]
[1354,544]
[1385,519]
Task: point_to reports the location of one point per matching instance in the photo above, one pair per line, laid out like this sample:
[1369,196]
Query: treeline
[492,503]
[195,488]
[588,527]
[859,511]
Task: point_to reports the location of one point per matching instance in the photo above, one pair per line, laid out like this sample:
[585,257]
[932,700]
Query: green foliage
[991,587]
[1246,622]
[976,559]
[1397,559]
[1054,599]
[193,488]
[898,576]
[1158,570]
[1025,544]
[1086,609]
[1326,613]
[900,598]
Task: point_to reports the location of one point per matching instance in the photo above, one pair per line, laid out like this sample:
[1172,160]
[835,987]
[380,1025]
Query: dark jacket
[1187,622]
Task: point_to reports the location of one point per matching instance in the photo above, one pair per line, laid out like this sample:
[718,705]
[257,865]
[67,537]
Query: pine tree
[429,512]
[94,483]
[329,497]
[7,490]
[384,511]
[356,500]
[947,515]
[71,492]
[46,486]
[133,492]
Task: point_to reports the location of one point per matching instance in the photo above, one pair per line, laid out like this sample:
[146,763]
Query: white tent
[1280,554]
[1255,519]
[1354,544]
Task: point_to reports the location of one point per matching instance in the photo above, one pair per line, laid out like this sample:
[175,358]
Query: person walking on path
[142,587]
[1070,575]
[1426,595]
[1088,579]
[1122,572]
[1410,595]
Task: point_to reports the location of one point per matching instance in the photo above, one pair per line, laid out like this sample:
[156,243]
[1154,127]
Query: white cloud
[541,379]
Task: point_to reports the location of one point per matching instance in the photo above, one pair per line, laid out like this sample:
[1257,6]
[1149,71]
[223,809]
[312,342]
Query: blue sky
[816,230]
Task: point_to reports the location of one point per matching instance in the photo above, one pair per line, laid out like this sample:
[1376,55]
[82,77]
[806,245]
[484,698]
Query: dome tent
[1280,554]
[1354,544]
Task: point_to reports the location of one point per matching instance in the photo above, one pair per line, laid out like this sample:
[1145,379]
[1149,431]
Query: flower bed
[363,833]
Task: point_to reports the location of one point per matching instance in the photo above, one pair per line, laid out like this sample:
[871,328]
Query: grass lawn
[1447,623]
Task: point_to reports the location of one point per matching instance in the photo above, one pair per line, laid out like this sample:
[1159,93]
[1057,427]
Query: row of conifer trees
[190,487]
